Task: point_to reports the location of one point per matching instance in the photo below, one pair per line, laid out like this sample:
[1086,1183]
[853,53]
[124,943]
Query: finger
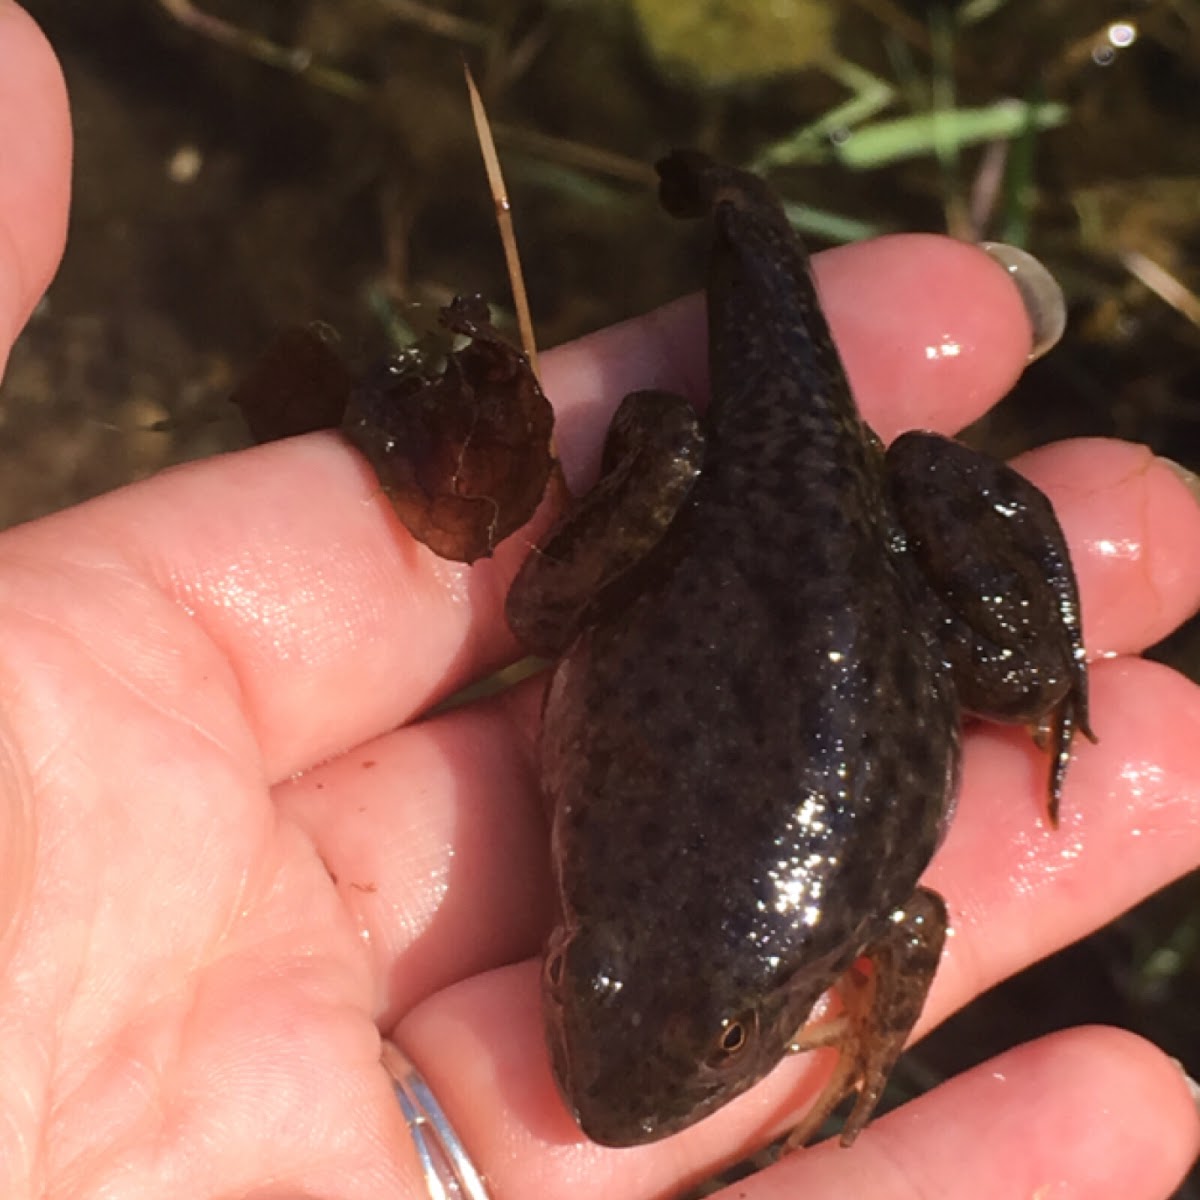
[1019,890]
[35,147]
[1101,1113]
[1129,519]
[437,844]
[335,626]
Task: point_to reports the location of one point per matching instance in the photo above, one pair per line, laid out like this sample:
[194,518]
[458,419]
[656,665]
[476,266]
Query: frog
[767,630]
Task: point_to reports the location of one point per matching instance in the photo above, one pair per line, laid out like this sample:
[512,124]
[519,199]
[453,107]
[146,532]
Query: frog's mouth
[623,1121]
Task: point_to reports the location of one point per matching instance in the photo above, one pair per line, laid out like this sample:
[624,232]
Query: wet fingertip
[1041,295]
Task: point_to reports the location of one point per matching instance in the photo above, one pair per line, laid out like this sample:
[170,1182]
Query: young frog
[767,627]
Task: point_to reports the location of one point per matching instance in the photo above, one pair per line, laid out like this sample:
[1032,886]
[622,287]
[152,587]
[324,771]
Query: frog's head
[640,1050]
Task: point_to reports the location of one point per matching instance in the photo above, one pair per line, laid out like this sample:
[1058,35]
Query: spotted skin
[751,738]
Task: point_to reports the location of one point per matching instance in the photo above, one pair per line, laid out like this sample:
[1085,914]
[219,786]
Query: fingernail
[1189,479]
[1040,292]
[1192,1085]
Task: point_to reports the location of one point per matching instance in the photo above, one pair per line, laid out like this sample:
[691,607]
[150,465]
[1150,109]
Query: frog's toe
[1057,730]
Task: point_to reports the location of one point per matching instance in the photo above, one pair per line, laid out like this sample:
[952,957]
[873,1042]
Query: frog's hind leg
[652,456]
[989,546]
[880,1010]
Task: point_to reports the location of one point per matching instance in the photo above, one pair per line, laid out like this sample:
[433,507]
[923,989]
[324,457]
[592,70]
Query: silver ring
[448,1170]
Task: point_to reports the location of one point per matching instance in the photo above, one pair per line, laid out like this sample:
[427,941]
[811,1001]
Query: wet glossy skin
[767,631]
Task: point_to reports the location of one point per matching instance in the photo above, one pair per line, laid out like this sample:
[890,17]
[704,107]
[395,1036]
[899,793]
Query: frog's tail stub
[685,184]
[691,184]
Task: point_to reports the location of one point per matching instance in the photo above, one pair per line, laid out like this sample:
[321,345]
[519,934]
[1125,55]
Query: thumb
[35,161]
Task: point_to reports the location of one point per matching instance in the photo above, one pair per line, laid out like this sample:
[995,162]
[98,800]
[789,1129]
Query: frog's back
[763,726]
[751,741]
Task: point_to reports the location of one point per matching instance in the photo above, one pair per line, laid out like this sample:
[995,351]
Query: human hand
[233,853]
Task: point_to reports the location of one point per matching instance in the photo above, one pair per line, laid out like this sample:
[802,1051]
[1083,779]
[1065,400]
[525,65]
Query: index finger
[337,626]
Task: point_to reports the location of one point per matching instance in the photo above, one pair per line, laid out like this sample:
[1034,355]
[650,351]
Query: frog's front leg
[989,547]
[652,456]
[879,1012]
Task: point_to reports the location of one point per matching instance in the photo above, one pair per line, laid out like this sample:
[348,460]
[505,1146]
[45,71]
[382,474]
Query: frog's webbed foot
[652,456]
[879,1012]
[989,546]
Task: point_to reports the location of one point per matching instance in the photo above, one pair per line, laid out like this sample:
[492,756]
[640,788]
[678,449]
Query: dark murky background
[218,199]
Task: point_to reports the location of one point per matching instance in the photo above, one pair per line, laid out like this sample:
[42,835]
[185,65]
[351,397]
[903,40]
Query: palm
[177,927]
[232,855]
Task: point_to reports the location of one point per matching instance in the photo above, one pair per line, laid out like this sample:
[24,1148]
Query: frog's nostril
[552,972]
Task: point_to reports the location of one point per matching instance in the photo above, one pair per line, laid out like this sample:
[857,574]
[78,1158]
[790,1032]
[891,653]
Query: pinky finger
[1091,1112]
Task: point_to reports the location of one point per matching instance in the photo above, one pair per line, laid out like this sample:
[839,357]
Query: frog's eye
[733,1037]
